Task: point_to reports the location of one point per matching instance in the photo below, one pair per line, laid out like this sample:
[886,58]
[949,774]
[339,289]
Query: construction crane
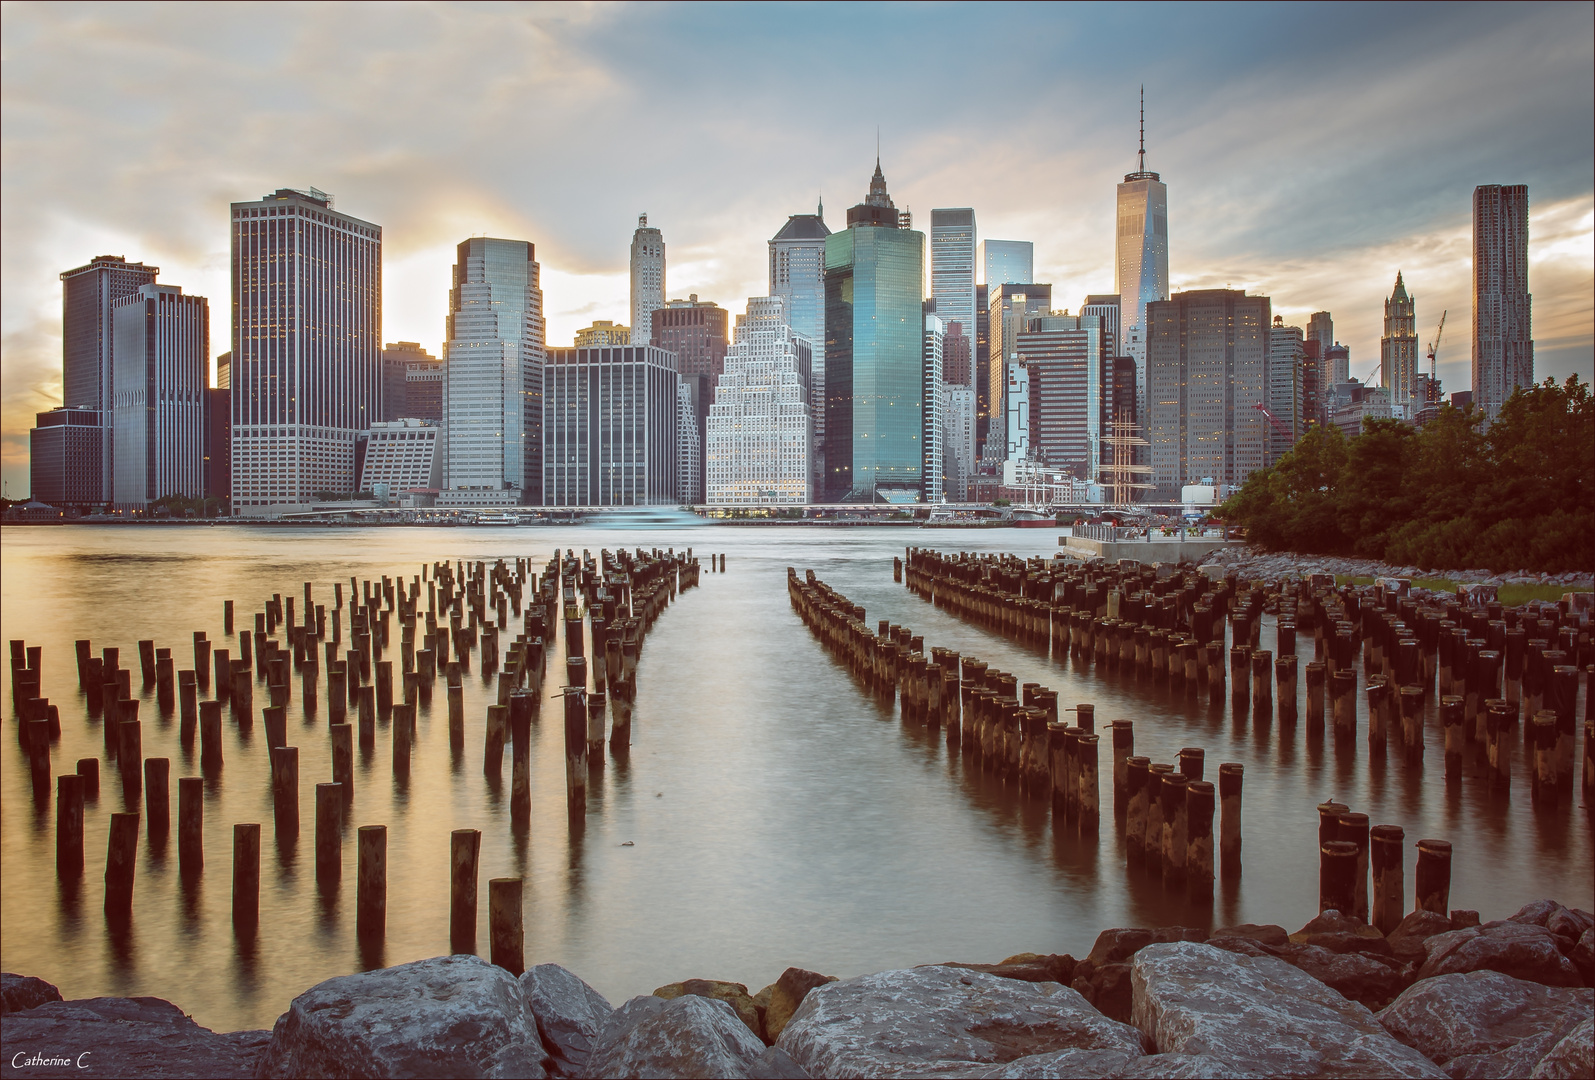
[1279,425]
[1434,346]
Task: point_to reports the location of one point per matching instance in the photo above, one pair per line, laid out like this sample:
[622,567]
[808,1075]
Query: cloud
[1309,150]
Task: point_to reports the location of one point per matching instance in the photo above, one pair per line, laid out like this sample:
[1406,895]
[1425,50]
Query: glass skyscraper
[493,377]
[797,276]
[1503,333]
[158,416]
[1009,262]
[874,326]
[1141,261]
[307,348]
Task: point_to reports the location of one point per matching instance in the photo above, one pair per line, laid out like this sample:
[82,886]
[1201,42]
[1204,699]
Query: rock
[1483,1023]
[570,1014]
[1106,987]
[1522,950]
[1463,917]
[941,1021]
[1119,944]
[1261,1016]
[1571,1059]
[786,994]
[775,1064]
[1182,1067]
[1063,1065]
[448,1015]
[117,1037]
[1568,924]
[1267,933]
[1027,967]
[1407,939]
[1583,957]
[1342,934]
[18,992]
[1369,978]
[733,994]
[687,1036]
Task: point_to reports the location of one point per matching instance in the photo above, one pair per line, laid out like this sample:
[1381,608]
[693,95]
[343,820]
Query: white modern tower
[952,266]
[797,276]
[647,279]
[760,425]
[307,348]
[493,377]
[162,357]
[1141,258]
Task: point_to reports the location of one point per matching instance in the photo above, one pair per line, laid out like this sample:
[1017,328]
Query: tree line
[1516,494]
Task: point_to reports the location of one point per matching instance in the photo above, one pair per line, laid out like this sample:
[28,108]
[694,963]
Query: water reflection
[777,813]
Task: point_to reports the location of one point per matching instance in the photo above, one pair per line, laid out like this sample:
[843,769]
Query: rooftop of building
[804,227]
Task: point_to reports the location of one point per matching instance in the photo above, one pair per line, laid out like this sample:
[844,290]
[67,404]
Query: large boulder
[786,994]
[1564,922]
[1408,939]
[1583,957]
[733,994]
[1485,1024]
[1120,943]
[1103,977]
[1522,950]
[1261,1016]
[570,1014]
[446,1016]
[686,1036]
[117,1037]
[1265,933]
[1028,967]
[18,992]
[1571,1059]
[943,1021]
[1372,979]
[1342,934]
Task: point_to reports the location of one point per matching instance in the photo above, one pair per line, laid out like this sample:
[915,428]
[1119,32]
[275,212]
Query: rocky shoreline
[1254,562]
[1440,996]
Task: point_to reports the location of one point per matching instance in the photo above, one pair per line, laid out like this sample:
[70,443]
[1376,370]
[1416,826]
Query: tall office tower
[1016,400]
[761,424]
[1286,360]
[306,345]
[932,423]
[493,377]
[1503,337]
[1321,329]
[1008,262]
[1313,401]
[1398,352]
[88,349]
[610,434]
[952,269]
[696,331]
[1063,357]
[162,372]
[958,440]
[956,360]
[797,275]
[1105,307]
[1011,305]
[1336,364]
[66,455]
[219,434]
[398,359]
[423,391]
[982,367]
[1207,362]
[603,333]
[647,278]
[874,326]
[1141,257]
[689,455]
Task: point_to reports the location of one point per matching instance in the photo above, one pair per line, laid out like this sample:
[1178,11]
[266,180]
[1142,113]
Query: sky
[1310,151]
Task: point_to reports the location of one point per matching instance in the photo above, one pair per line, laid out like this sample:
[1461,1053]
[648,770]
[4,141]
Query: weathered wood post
[576,749]
[188,706]
[1337,867]
[1087,793]
[403,732]
[520,718]
[121,858]
[275,720]
[190,825]
[343,760]
[285,790]
[329,832]
[1354,830]
[371,901]
[69,826]
[89,770]
[1315,695]
[368,716]
[246,876]
[1230,775]
[1385,854]
[1199,850]
[465,847]
[1285,680]
[1192,762]
[504,916]
[1123,750]
[158,797]
[493,750]
[1434,877]
[1175,826]
[1343,690]
[1155,774]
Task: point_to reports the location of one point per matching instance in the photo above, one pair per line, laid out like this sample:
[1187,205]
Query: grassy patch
[1509,595]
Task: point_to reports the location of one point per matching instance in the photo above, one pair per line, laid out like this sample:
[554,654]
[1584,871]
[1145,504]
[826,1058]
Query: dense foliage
[1518,495]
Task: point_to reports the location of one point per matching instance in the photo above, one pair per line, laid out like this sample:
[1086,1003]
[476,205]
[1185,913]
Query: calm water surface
[776,813]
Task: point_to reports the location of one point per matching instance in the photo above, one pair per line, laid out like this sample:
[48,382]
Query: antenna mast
[1143,128]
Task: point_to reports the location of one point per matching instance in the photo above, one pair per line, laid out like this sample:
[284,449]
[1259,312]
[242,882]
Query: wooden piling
[1137,777]
[69,826]
[1337,867]
[1192,762]
[188,706]
[275,719]
[89,770]
[1123,749]
[505,925]
[343,760]
[1175,825]
[493,754]
[465,846]
[1385,855]
[576,749]
[329,832]
[1343,694]
[522,703]
[1153,848]
[246,876]
[1199,840]
[1230,776]
[1434,877]
[403,731]
[210,733]
[190,825]
[1354,830]
[285,790]
[158,797]
[1087,787]
[121,857]
[1315,695]
[371,901]
[368,716]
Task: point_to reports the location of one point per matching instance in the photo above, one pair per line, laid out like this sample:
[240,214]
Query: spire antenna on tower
[1143,127]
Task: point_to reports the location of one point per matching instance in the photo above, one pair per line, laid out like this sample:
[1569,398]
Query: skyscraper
[1503,333]
[88,354]
[797,276]
[874,326]
[493,377]
[932,375]
[1207,361]
[952,268]
[66,456]
[1008,262]
[158,417]
[696,331]
[307,347]
[601,333]
[610,430]
[760,426]
[982,358]
[647,279]
[1286,359]
[1398,352]
[399,360]
[1064,360]
[1141,260]
[1011,305]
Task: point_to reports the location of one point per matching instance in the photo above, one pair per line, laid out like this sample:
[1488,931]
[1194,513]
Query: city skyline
[1326,238]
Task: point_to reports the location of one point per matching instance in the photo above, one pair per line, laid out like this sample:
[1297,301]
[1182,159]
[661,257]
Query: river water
[771,811]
